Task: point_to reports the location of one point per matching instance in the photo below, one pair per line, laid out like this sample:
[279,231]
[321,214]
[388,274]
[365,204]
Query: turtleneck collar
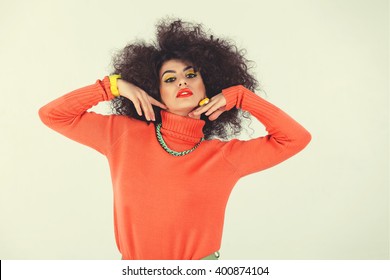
[184,128]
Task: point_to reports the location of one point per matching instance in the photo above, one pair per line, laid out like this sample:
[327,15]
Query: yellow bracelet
[113,84]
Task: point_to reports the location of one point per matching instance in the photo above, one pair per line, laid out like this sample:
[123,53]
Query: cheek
[164,93]
[201,87]
[200,83]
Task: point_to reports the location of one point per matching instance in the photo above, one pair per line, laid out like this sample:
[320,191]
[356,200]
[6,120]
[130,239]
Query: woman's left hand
[213,109]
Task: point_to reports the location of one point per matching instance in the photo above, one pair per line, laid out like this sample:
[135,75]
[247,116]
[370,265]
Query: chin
[183,111]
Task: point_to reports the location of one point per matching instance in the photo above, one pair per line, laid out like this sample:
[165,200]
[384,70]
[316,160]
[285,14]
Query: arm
[68,115]
[285,136]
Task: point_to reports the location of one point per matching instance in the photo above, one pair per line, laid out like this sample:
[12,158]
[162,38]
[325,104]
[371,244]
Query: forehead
[175,65]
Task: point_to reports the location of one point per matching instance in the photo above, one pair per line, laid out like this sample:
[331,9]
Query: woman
[176,102]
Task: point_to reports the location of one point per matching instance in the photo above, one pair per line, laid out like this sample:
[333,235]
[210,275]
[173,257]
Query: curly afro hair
[220,62]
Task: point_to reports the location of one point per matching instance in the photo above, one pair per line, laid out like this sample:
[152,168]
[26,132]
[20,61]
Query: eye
[191,74]
[169,79]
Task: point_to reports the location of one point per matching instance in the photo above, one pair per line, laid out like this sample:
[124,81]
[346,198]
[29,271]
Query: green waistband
[213,256]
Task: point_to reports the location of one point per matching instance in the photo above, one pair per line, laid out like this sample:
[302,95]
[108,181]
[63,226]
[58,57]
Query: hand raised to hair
[213,109]
[141,100]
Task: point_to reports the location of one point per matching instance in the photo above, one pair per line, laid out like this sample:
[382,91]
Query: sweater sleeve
[68,115]
[285,136]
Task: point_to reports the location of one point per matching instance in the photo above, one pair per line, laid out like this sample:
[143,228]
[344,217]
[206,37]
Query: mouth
[185,92]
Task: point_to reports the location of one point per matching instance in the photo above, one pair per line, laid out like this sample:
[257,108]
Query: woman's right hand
[141,100]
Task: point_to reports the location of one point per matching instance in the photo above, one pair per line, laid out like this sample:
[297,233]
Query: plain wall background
[324,62]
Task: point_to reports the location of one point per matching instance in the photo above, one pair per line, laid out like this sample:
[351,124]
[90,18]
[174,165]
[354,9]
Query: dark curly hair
[220,62]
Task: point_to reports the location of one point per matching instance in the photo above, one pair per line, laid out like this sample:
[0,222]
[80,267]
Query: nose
[182,83]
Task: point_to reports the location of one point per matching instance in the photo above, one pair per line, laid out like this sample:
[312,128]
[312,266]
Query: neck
[182,127]
[184,114]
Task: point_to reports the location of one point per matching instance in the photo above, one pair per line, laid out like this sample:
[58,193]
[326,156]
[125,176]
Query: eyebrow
[172,71]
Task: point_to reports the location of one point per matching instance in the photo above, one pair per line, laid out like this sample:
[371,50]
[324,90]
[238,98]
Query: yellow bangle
[113,84]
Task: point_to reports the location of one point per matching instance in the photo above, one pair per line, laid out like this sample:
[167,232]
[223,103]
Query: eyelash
[170,80]
[190,75]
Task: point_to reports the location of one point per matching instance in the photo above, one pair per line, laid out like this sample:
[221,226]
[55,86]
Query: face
[181,87]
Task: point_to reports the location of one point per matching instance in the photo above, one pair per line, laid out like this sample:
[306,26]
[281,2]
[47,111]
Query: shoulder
[123,124]
[222,144]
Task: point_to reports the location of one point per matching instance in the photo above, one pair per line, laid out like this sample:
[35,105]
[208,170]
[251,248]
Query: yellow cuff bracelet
[113,84]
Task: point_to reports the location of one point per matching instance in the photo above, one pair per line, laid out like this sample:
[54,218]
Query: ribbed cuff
[242,98]
[231,94]
[106,85]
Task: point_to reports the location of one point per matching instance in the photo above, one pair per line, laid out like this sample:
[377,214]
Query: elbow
[304,139]
[43,115]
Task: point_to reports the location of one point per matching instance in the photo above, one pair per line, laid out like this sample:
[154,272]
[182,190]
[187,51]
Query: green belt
[213,256]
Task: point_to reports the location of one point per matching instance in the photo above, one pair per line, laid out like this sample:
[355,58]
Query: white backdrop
[324,62]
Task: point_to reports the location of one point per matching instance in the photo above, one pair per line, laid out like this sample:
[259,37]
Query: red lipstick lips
[185,92]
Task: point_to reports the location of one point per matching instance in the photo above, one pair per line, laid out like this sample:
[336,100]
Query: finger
[152,116]
[200,110]
[146,107]
[156,102]
[204,108]
[137,106]
[150,109]
[212,110]
[215,115]
[214,107]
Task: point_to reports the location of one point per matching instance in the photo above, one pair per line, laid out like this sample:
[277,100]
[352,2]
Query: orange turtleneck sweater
[168,207]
